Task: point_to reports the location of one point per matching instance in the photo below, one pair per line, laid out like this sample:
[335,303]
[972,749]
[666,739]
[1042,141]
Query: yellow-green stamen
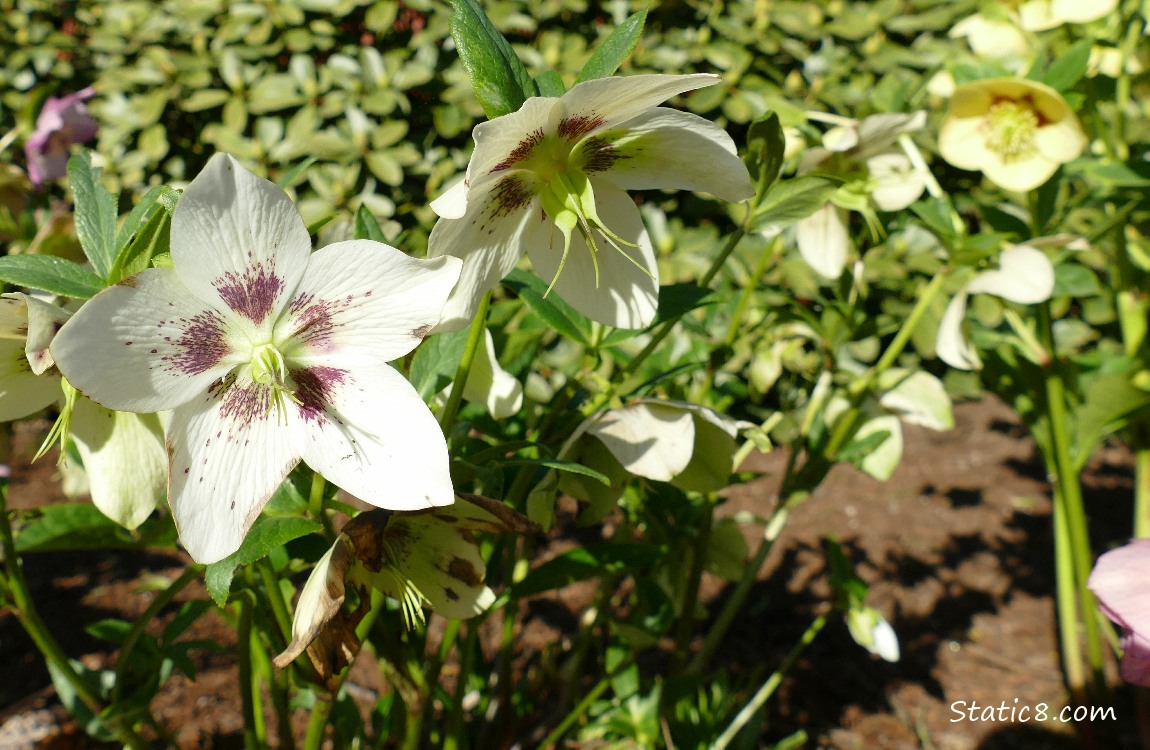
[1011,128]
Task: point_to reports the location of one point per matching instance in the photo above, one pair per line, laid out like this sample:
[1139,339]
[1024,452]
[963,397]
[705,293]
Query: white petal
[491,385]
[1024,275]
[897,184]
[877,133]
[237,240]
[502,142]
[227,454]
[453,203]
[918,397]
[319,600]
[649,440]
[1020,174]
[604,103]
[21,392]
[951,345]
[962,142]
[370,433]
[123,454]
[823,241]
[362,301]
[144,345]
[1061,141]
[43,322]
[627,294]
[490,242]
[665,148]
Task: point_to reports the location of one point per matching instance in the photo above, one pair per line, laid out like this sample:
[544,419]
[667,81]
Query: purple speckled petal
[364,301]
[238,241]
[490,239]
[144,345]
[227,451]
[371,434]
[604,103]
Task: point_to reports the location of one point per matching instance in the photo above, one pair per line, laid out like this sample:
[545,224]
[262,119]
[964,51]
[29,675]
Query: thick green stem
[141,623]
[1068,492]
[470,348]
[249,690]
[1067,605]
[771,685]
[1142,493]
[317,723]
[29,618]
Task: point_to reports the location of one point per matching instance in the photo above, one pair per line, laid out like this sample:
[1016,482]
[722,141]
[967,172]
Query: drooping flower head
[268,353]
[62,122]
[548,180]
[1119,582]
[1017,132]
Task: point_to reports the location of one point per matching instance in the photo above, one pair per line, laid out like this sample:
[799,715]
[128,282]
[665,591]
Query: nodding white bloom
[123,454]
[992,37]
[864,152]
[1024,275]
[1016,132]
[489,384]
[268,353]
[1039,15]
[1119,582]
[870,630]
[549,180]
[421,559]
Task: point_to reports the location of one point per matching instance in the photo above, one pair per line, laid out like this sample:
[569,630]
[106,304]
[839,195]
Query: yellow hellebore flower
[1016,132]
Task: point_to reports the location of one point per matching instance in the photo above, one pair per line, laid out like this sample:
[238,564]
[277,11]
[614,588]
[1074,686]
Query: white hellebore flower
[1017,132]
[1039,15]
[549,180]
[268,354]
[992,37]
[123,454]
[489,384]
[1024,275]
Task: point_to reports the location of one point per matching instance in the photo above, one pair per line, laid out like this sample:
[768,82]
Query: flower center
[1011,130]
[268,368]
[569,199]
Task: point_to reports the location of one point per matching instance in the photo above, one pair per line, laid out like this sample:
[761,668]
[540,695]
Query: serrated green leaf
[95,214]
[269,533]
[557,313]
[76,526]
[764,157]
[436,361]
[792,200]
[50,274]
[136,220]
[1069,67]
[154,239]
[500,80]
[614,50]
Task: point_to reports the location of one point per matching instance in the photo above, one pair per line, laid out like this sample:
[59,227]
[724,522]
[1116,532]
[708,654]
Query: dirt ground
[957,546]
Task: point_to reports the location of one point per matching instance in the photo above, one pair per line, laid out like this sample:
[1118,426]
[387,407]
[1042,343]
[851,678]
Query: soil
[957,547]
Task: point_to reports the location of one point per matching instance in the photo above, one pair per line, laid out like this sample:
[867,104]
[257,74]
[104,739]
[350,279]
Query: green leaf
[587,562]
[557,313]
[764,157]
[267,535]
[288,178]
[51,274]
[550,83]
[676,300]
[154,239]
[792,200]
[366,227]
[76,526]
[497,74]
[136,219]
[436,361]
[1069,67]
[95,213]
[1109,403]
[614,50]
[567,466]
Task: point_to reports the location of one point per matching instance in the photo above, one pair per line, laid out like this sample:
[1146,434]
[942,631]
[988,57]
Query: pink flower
[1119,582]
[62,122]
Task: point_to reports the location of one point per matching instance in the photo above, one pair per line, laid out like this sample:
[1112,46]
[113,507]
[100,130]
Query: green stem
[902,337]
[248,689]
[771,685]
[315,505]
[686,625]
[29,617]
[1068,492]
[1067,602]
[141,623]
[317,724]
[470,348]
[588,699]
[1142,493]
[453,737]
[275,598]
